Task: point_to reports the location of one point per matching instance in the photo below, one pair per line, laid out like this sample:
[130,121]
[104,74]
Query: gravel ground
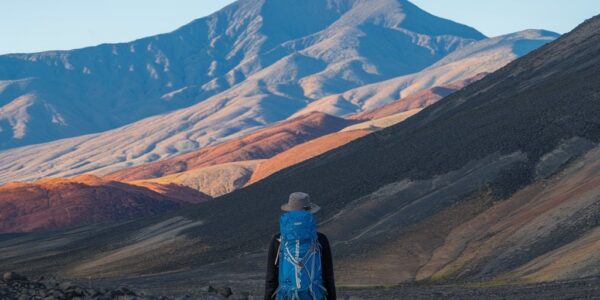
[14,286]
[588,288]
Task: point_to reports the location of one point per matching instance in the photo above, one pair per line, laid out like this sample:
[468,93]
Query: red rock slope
[304,152]
[59,203]
[261,144]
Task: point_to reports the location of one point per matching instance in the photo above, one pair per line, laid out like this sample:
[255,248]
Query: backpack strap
[278,250]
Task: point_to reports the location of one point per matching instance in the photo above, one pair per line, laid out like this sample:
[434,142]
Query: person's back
[300,265]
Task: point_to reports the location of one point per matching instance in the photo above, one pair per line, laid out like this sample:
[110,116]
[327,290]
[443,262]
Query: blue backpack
[299,258]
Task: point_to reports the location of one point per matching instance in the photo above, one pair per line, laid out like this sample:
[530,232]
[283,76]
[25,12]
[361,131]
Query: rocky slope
[479,57]
[304,152]
[59,203]
[586,288]
[261,144]
[418,100]
[384,122]
[281,58]
[214,180]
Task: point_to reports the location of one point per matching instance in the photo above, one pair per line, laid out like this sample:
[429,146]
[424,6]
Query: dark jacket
[326,266]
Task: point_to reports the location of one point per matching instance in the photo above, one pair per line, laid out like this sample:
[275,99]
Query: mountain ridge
[479,57]
[104,87]
[238,111]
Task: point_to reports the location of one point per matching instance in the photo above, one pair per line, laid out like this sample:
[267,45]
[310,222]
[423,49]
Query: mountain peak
[295,18]
[535,33]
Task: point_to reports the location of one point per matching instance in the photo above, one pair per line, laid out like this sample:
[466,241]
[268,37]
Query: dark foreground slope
[517,126]
[500,180]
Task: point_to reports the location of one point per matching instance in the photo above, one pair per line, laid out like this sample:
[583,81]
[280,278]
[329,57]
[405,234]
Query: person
[290,265]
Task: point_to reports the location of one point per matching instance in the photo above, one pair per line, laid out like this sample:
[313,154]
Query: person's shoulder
[276,237]
[322,237]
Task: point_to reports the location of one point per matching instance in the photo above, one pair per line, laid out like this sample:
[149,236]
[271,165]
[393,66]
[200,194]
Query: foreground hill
[496,181]
[59,203]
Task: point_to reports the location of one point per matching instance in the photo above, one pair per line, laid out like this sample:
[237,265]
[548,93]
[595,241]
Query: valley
[458,167]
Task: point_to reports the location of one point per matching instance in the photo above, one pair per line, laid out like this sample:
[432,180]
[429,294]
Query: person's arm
[272,279]
[327,267]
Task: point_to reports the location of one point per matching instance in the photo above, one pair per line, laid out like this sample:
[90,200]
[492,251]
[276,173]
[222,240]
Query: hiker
[300,266]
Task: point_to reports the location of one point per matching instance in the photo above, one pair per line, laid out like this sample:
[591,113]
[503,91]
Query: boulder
[12,276]
[223,291]
[207,289]
[240,296]
[67,285]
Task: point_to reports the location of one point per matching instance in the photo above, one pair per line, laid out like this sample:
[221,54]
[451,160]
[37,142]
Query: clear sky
[37,25]
[496,17]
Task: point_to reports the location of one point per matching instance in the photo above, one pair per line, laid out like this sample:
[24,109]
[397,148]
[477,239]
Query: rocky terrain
[19,287]
[587,288]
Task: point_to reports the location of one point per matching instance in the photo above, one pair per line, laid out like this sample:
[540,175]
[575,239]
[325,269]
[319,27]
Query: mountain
[224,178]
[496,182]
[484,56]
[286,52]
[479,57]
[60,203]
[233,113]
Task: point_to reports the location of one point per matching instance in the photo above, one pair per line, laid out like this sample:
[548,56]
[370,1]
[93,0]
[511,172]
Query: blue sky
[37,25]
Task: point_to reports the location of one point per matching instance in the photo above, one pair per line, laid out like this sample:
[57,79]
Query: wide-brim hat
[300,201]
